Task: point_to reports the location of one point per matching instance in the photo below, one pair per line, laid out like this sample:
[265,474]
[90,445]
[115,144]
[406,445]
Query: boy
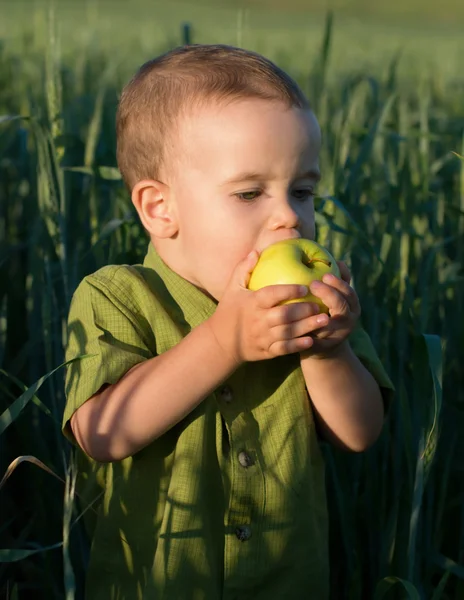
[199,405]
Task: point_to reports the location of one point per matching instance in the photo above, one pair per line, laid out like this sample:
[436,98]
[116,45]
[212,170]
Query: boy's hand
[343,304]
[251,326]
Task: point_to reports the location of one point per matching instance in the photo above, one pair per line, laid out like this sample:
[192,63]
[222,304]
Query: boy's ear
[152,201]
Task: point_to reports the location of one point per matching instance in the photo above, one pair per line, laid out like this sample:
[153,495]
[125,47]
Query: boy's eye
[248,196]
[303,194]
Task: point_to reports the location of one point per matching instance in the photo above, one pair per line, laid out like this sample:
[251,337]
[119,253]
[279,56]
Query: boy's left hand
[343,304]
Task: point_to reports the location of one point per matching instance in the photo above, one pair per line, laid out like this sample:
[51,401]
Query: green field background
[428,35]
[386,81]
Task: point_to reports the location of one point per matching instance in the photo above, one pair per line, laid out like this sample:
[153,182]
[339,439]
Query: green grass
[363,44]
[392,205]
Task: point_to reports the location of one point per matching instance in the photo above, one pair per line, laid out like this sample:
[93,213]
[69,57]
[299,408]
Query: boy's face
[244,177]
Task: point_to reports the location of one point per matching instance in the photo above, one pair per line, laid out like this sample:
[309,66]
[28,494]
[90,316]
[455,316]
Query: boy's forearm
[152,397]
[346,398]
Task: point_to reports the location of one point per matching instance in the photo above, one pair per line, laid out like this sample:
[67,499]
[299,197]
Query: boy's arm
[347,399]
[152,397]
[136,408]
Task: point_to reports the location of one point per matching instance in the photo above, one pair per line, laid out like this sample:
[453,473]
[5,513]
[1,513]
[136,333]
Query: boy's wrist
[214,329]
[340,351]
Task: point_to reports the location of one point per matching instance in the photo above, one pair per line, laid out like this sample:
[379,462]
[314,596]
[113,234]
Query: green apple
[299,261]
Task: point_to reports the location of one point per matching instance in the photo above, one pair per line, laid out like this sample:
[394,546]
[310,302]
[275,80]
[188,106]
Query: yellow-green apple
[299,261]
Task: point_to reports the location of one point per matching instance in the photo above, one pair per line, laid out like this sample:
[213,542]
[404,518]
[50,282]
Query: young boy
[198,406]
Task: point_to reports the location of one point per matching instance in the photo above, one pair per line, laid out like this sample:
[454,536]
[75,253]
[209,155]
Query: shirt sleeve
[364,349]
[102,323]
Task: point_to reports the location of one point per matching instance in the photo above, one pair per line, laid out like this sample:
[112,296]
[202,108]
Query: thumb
[245,268]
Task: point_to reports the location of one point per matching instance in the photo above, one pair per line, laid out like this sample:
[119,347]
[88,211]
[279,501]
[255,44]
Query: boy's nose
[284,215]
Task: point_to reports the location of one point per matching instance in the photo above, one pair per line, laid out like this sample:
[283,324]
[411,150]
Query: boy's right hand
[252,325]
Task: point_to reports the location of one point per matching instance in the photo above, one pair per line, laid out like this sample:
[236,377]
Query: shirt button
[245,459]
[225,393]
[243,533]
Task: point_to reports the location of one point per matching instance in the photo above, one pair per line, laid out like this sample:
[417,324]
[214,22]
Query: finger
[344,288]
[244,269]
[345,273]
[290,346]
[300,328]
[289,313]
[335,300]
[324,332]
[273,295]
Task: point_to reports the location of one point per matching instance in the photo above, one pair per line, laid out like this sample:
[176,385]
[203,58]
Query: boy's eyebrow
[253,176]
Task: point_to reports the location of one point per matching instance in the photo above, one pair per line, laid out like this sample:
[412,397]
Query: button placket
[244,486]
[246,498]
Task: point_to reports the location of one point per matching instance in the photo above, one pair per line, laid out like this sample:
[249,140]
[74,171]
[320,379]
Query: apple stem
[326,262]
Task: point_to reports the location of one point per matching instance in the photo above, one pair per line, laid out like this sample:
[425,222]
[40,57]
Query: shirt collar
[195,304]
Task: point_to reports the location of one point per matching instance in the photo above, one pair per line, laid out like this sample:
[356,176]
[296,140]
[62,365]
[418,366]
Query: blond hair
[172,84]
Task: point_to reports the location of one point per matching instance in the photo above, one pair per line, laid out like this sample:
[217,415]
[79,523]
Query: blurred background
[387,84]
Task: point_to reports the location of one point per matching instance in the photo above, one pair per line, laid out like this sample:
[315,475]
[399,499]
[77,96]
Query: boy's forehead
[238,111]
[216,129]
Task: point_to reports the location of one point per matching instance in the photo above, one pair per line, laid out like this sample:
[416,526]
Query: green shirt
[228,504]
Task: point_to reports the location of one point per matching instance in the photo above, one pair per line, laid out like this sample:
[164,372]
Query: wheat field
[389,95]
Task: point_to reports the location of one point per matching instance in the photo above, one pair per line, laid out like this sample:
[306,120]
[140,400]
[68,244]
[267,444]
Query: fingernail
[303,289]
[328,277]
[315,285]
[322,319]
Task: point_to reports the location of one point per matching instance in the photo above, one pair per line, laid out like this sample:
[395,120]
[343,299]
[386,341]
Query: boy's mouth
[289,235]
